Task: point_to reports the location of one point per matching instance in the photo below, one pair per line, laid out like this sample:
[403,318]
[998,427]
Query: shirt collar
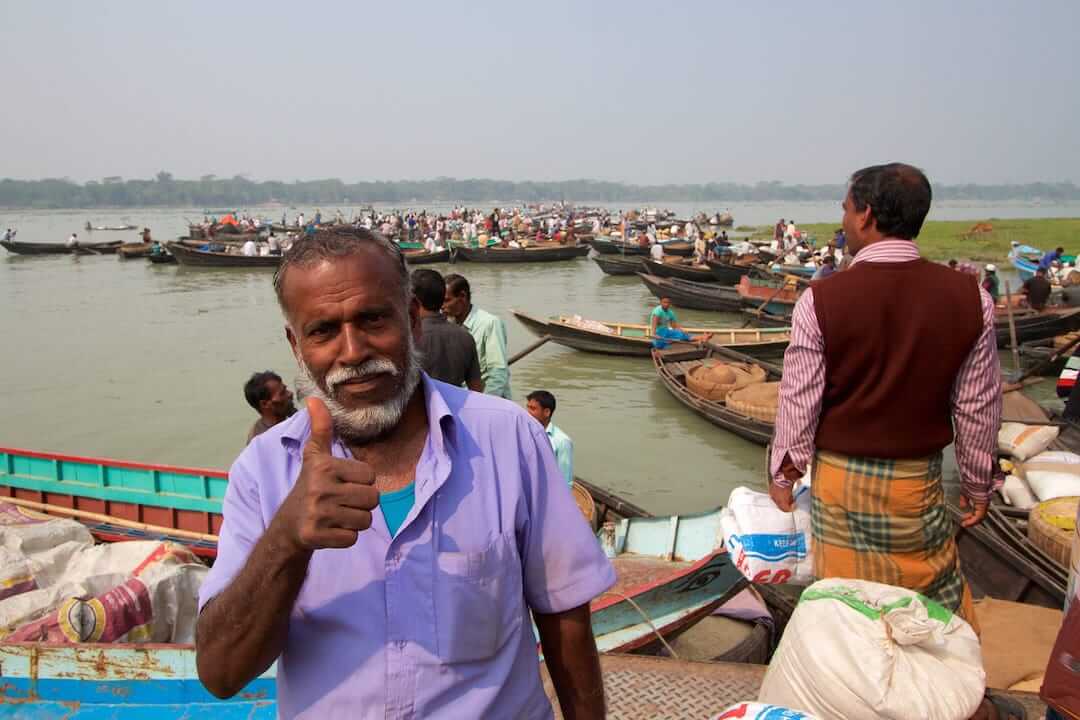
[888,250]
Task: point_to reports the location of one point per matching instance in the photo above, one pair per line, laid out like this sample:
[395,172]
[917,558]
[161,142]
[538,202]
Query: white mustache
[375,366]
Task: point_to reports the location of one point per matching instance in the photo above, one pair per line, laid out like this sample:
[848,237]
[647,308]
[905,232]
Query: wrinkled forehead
[364,278]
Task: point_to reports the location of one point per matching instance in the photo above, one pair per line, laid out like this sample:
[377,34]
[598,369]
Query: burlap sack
[714,380]
[758,401]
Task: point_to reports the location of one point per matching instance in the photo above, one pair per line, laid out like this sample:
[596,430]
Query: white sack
[1025,441]
[862,651]
[1051,475]
[769,546]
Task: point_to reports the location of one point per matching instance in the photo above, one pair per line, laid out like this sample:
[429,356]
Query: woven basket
[714,381]
[1052,525]
[758,401]
[585,504]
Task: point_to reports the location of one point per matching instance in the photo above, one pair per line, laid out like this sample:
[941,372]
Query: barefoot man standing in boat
[889,362]
[387,544]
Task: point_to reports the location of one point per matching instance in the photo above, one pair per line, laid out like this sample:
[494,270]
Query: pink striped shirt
[976,394]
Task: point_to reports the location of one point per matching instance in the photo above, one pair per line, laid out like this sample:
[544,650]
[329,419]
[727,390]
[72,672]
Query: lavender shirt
[433,622]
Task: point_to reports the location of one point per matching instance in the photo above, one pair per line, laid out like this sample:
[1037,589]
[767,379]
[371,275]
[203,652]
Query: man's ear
[292,341]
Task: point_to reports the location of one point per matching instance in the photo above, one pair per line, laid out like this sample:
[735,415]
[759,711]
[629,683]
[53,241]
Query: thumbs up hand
[332,500]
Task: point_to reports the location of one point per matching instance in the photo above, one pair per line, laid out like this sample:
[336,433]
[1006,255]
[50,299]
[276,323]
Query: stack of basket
[740,386]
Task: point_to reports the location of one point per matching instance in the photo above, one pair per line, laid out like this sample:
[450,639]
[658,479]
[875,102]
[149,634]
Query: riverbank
[946,239]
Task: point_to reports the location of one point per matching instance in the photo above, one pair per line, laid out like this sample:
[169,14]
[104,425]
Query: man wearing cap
[990,282]
[878,380]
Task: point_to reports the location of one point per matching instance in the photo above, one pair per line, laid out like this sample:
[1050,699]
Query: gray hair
[327,245]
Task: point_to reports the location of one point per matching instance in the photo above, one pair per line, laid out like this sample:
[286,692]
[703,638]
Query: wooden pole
[528,350]
[1012,329]
[119,522]
[783,286]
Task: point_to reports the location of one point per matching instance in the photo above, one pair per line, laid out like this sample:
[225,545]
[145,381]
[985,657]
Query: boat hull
[618,265]
[683,272]
[28,248]
[671,368]
[692,295]
[199,258]
[427,258]
[521,255]
[726,273]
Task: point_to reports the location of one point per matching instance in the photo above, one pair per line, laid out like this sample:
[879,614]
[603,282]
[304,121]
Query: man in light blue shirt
[541,405]
[487,330]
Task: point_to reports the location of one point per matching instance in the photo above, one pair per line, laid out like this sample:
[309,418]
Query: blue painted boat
[1020,257]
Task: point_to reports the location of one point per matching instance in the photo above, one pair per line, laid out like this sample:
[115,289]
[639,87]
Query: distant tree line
[212,192]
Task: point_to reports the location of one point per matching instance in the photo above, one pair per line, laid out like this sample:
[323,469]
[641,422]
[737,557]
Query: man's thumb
[322,427]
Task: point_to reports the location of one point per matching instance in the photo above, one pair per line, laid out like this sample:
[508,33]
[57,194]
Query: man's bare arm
[573,663]
[242,631]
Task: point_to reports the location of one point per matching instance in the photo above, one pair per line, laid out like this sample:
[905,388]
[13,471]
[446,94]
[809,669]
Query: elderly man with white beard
[386,544]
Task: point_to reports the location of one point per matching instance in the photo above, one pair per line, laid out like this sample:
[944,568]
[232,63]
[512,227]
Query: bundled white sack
[1051,475]
[26,531]
[1016,493]
[759,711]
[769,546]
[1025,441]
[861,651]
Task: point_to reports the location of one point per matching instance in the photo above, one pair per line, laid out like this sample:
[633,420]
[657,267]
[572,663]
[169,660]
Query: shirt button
[400,644]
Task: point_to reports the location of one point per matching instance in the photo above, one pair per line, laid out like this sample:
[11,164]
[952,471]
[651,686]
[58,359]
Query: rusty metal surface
[650,687]
[640,687]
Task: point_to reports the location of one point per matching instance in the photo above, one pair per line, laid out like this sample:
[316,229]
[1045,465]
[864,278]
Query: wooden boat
[162,496]
[676,268]
[634,338]
[131,251]
[694,295]
[619,265]
[551,253]
[682,248]
[1034,325]
[34,248]
[727,273]
[605,245]
[162,258]
[423,257]
[778,301]
[232,232]
[200,258]
[105,228]
[1035,352]
[1000,562]
[673,364]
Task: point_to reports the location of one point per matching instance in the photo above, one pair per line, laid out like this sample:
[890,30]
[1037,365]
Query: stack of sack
[860,651]
[769,546]
[57,586]
[1045,476]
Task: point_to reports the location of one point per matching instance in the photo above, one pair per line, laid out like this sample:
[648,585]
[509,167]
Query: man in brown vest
[889,362]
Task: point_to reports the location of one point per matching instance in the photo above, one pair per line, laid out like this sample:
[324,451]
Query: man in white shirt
[249,248]
[657,252]
[73,241]
[430,244]
[275,244]
[300,220]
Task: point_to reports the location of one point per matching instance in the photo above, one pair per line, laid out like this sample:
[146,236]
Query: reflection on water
[146,362]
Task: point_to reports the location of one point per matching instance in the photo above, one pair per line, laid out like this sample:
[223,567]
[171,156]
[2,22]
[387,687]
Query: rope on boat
[647,619]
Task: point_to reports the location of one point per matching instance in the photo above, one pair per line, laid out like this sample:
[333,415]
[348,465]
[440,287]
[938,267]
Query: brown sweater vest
[895,335]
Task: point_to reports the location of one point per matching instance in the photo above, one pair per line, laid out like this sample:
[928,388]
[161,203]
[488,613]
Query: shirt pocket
[479,603]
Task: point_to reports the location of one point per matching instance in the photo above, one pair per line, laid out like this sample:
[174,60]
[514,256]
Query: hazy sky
[980,91]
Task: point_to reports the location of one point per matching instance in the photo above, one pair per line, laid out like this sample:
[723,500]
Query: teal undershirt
[396,506]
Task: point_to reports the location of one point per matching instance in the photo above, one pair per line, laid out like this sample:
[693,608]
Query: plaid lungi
[886,521]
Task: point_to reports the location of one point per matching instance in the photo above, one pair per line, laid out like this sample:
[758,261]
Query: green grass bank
[945,239]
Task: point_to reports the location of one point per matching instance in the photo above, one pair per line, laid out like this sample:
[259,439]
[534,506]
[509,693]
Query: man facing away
[447,350]
[270,397]
[875,379]
[487,330]
[541,405]
[387,544]
[1037,290]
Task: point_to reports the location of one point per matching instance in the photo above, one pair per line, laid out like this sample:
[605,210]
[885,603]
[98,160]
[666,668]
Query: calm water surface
[146,362]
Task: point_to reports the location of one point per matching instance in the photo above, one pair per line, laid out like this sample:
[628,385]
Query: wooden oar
[528,350]
[119,522]
[1012,329]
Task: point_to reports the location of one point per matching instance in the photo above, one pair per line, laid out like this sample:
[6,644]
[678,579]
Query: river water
[128,360]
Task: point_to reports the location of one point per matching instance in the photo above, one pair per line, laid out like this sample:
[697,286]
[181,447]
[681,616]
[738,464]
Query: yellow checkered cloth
[886,521]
